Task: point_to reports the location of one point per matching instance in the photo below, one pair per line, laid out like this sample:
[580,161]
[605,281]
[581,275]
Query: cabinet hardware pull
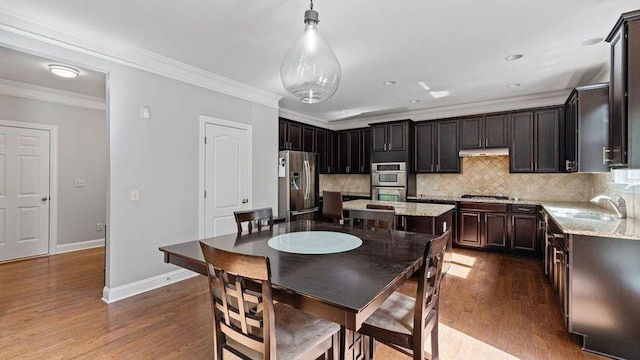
[524,209]
[431,167]
[478,217]
[486,142]
[604,155]
[479,142]
[532,166]
[389,146]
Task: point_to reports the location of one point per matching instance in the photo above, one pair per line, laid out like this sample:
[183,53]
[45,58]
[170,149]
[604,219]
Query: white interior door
[24,192]
[227,176]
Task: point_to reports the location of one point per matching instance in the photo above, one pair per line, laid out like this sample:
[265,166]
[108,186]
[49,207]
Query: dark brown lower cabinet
[499,227]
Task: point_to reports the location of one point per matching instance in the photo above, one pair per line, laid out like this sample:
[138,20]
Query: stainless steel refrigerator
[297,185]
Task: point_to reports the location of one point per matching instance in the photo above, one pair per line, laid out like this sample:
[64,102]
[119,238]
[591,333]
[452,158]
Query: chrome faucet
[620,208]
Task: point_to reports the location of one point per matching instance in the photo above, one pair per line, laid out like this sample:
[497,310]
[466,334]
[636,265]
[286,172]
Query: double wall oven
[390,181]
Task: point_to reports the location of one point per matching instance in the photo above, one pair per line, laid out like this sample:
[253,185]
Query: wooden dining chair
[332,205]
[257,216]
[249,325]
[372,218]
[403,322]
[383,207]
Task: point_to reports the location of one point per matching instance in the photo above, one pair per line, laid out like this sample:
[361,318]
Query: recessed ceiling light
[64,71]
[344,112]
[389,83]
[592,41]
[513,85]
[513,57]
[439,94]
[414,101]
[423,85]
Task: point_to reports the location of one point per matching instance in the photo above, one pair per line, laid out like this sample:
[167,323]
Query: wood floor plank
[492,307]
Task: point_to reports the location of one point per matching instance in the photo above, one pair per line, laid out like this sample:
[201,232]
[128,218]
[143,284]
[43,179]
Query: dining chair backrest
[428,293]
[332,205]
[257,216]
[244,316]
[372,218]
[382,207]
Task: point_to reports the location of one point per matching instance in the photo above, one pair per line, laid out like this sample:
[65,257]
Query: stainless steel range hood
[484,152]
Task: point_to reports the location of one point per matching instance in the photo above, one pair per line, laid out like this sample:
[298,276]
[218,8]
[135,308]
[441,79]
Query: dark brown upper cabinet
[308,138]
[324,148]
[484,132]
[587,129]
[391,141]
[289,135]
[437,147]
[537,140]
[351,154]
[624,93]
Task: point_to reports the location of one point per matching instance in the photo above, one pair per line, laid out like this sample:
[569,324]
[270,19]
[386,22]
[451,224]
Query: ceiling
[34,70]
[458,46]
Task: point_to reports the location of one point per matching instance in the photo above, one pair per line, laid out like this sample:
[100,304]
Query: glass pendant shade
[311,71]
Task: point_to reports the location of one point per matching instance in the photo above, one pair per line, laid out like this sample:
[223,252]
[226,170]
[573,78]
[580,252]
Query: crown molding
[86,42]
[34,92]
[307,119]
[481,107]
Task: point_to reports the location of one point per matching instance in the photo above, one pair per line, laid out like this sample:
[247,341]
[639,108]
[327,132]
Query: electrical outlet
[134,195]
[78,183]
[99,227]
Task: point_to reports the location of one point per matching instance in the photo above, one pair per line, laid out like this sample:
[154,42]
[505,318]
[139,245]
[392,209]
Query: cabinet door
[618,102]
[354,152]
[447,149]
[283,141]
[496,131]
[470,234]
[294,133]
[524,235]
[593,130]
[308,139]
[343,152]
[547,141]
[521,153]
[397,137]
[571,134]
[424,147]
[471,133]
[365,151]
[321,149]
[378,138]
[495,231]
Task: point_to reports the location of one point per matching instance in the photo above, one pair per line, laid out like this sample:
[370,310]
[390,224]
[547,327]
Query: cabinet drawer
[523,209]
[486,207]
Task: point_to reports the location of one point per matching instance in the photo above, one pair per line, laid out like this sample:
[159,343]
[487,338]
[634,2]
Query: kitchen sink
[591,216]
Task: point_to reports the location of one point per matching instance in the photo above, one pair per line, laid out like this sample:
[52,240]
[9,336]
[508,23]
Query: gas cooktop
[485,197]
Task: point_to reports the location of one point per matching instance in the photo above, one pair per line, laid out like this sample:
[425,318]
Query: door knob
[244,201]
[44,198]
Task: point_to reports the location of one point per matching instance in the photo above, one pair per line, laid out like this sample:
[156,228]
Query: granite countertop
[459,199]
[563,214]
[402,208]
[352,193]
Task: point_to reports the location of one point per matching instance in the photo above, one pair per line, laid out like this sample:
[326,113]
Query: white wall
[82,154]
[159,157]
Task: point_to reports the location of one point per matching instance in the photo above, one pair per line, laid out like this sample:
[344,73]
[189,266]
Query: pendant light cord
[311,4]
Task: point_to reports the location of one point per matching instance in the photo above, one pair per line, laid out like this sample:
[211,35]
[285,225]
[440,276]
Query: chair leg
[372,348]
[434,341]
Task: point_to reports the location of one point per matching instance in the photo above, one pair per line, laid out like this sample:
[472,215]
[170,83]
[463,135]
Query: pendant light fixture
[311,71]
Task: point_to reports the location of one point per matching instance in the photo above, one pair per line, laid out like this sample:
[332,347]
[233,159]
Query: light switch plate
[78,183]
[134,195]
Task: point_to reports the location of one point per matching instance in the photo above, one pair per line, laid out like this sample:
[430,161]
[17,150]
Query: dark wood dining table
[345,287]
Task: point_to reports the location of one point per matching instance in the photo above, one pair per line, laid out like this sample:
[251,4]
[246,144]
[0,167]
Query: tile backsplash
[351,184]
[490,175]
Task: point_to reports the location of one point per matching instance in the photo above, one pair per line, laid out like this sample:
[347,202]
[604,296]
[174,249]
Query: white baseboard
[110,295]
[82,245]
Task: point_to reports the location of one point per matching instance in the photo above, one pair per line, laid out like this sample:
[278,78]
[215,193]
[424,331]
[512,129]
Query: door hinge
[205,193]
[205,140]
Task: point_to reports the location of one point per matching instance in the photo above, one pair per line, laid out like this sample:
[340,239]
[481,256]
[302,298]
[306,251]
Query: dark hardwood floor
[492,307]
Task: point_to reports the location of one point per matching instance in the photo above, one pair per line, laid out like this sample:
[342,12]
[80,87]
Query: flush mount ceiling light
[64,71]
[344,111]
[513,85]
[310,71]
[514,57]
[389,83]
[439,94]
[591,41]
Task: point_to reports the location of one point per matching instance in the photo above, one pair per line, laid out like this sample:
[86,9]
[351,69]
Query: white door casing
[227,174]
[24,192]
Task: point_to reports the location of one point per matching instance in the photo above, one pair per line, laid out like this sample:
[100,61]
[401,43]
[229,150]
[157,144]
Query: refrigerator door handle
[307,175]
